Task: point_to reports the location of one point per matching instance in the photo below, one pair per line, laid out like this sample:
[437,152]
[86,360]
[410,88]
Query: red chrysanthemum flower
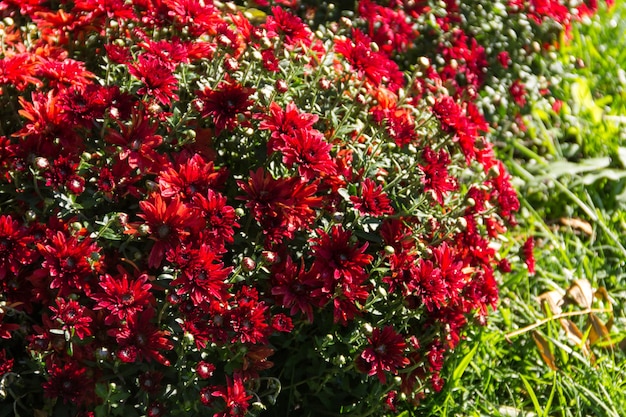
[373,201]
[281,206]
[249,318]
[170,223]
[65,73]
[220,219]
[194,176]
[310,151]
[337,259]
[138,141]
[234,396]
[69,382]
[73,317]
[387,27]
[45,120]
[157,78]
[139,339]
[293,288]
[284,122]
[385,353]
[376,67]
[122,296]
[69,262]
[19,70]
[429,285]
[290,28]
[436,176]
[6,364]
[225,104]
[14,246]
[202,275]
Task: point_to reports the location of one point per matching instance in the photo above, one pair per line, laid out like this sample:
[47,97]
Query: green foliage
[571,176]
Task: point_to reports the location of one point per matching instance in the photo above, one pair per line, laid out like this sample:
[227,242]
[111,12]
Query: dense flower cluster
[189,190]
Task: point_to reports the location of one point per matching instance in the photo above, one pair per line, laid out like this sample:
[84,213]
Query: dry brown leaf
[544,350]
[553,300]
[598,330]
[575,336]
[603,295]
[40,413]
[572,331]
[578,224]
[581,293]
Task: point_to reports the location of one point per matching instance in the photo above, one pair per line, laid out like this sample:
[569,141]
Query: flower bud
[41,163]
[248,264]
[270,257]
[281,86]
[389,250]
[324,84]
[231,64]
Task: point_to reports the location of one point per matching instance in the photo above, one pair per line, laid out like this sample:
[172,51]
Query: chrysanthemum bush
[210,212]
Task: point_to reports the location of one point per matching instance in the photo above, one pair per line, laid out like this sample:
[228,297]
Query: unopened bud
[248,264]
[269,257]
[231,64]
[281,86]
[41,163]
[324,84]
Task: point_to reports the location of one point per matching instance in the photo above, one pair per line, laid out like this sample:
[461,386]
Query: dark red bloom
[385,353]
[235,397]
[157,78]
[69,262]
[336,258]
[139,339]
[194,176]
[14,246]
[225,104]
[373,201]
[376,67]
[281,206]
[309,151]
[19,70]
[138,140]
[6,364]
[293,288]
[436,176]
[170,223]
[284,122]
[73,317]
[46,120]
[202,276]
[69,382]
[249,318]
[220,219]
[122,296]
[387,27]
[289,28]
[64,73]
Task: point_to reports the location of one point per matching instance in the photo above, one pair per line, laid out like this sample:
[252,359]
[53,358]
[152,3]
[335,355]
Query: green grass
[571,175]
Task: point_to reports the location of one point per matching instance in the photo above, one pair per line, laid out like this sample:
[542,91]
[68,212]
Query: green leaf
[532,395]
[460,368]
